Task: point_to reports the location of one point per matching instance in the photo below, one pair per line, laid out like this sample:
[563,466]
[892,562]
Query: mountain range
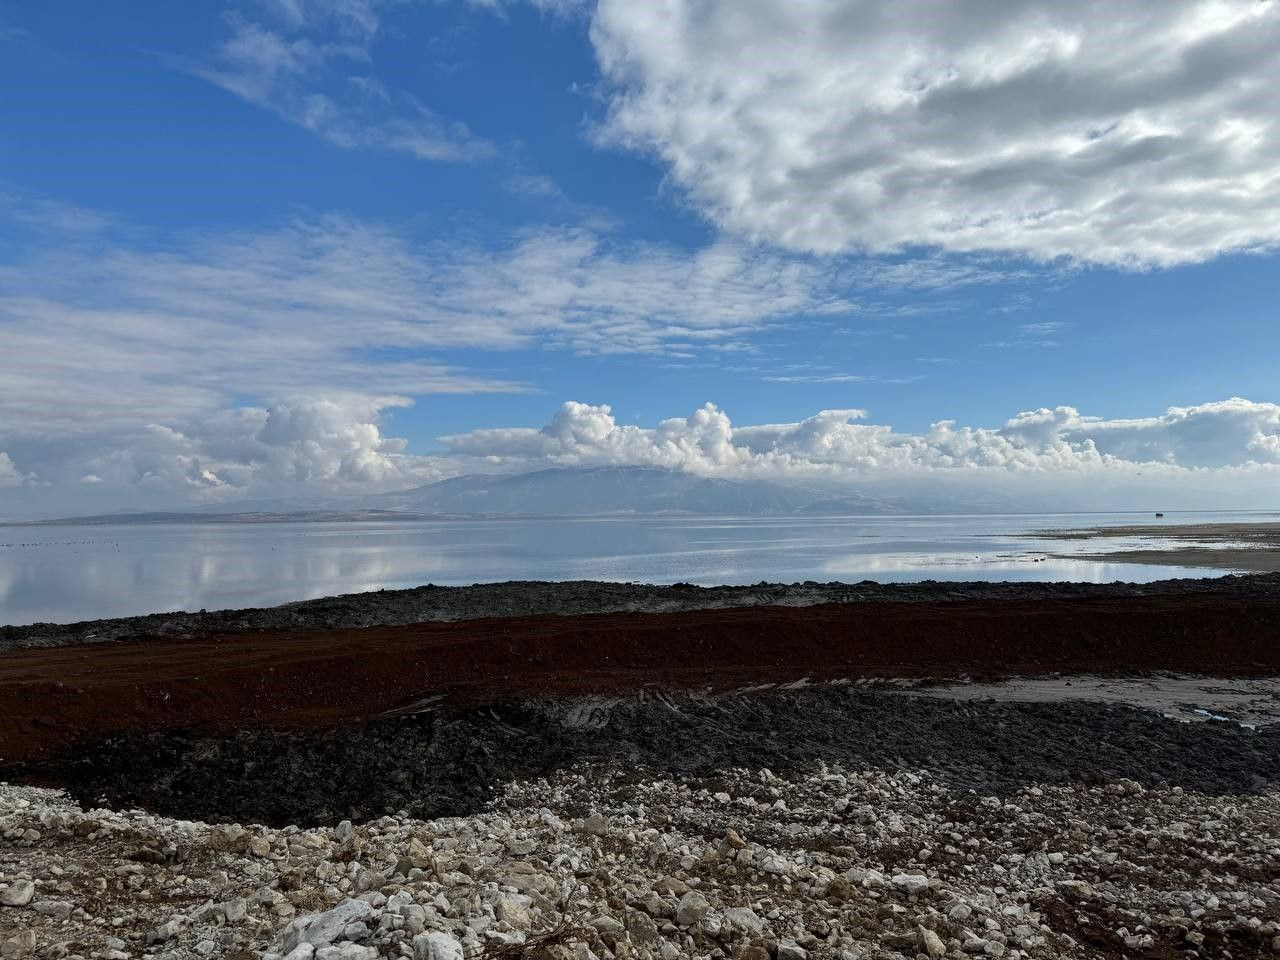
[565,491]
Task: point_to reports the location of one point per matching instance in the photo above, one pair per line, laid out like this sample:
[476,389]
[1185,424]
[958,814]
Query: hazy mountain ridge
[559,491]
[617,490]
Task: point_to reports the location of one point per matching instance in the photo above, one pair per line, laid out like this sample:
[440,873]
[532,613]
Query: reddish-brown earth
[50,698]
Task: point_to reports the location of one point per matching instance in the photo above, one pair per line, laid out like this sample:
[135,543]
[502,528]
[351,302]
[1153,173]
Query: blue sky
[288,245]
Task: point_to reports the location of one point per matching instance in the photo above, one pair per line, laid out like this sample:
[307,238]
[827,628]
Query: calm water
[69,573]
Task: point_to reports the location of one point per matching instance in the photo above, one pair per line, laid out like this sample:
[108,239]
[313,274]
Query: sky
[305,247]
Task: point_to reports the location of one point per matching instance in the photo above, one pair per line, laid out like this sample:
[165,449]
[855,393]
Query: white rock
[931,943]
[235,909]
[19,893]
[911,883]
[58,909]
[693,907]
[788,949]
[321,929]
[436,946]
[513,908]
[775,865]
[743,921]
[346,951]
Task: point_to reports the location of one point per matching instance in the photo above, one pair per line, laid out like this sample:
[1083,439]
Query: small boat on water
[1159,514]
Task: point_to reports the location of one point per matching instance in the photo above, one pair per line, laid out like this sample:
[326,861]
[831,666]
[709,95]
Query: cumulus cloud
[312,67]
[300,446]
[839,445]
[9,475]
[1119,133]
[116,338]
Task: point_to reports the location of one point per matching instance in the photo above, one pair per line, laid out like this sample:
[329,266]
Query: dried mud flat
[1251,547]
[696,782]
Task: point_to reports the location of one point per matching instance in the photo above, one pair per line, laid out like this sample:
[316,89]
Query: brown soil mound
[50,698]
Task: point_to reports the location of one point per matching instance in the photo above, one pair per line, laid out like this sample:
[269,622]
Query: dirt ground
[307,678]
[526,598]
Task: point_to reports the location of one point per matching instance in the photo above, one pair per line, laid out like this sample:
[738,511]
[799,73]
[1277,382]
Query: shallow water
[69,573]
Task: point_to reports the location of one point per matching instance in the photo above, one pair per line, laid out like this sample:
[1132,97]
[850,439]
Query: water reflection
[71,573]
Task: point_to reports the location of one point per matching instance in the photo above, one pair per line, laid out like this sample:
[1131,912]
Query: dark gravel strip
[530,598]
[450,764]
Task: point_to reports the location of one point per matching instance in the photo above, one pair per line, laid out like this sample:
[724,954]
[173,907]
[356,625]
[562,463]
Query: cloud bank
[839,444]
[1223,455]
[1108,132]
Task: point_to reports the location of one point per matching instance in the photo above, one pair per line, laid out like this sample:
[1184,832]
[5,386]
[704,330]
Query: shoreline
[310,678]
[1235,547]
[783,781]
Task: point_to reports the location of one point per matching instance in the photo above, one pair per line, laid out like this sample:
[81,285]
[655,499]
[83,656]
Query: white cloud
[1119,132]
[9,475]
[305,446]
[838,445]
[314,70]
[136,327]
[128,352]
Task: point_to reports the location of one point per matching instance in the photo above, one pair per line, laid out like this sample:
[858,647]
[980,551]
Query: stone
[321,929]
[671,886]
[19,945]
[693,906]
[437,946]
[788,949]
[910,883]
[775,865]
[235,909]
[229,838]
[346,951]
[931,943]
[839,890]
[58,909]
[513,909]
[743,921]
[18,894]
[165,932]
[642,928]
[356,932]
[260,847]
[597,825]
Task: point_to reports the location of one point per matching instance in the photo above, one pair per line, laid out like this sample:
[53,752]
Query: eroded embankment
[528,598]
[308,679]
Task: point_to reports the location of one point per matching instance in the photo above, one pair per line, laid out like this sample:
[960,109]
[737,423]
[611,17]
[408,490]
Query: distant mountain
[616,490]
[569,491]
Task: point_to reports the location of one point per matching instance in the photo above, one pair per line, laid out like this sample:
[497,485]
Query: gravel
[602,860]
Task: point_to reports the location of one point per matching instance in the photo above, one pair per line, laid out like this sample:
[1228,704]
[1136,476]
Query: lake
[67,573]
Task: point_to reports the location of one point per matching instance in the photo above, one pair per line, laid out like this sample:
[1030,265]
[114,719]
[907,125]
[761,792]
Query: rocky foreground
[604,861]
